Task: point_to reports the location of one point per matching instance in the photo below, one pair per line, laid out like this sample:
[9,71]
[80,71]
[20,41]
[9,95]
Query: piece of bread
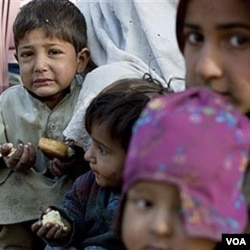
[53,217]
[55,149]
[12,151]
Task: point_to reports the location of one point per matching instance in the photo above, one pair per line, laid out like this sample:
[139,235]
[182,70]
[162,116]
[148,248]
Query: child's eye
[26,54]
[193,38]
[101,150]
[54,52]
[238,41]
[142,203]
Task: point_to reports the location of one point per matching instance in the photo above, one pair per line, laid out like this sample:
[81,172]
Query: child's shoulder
[13,91]
[85,185]
[85,180]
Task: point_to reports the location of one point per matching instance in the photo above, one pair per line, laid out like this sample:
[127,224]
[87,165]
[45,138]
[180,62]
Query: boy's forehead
[37,35]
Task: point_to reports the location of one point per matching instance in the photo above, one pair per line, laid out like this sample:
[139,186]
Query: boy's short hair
[119,105]
[60,18]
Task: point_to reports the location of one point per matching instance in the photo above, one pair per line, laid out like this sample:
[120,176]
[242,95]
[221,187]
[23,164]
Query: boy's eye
[25,54]
[54,52]
[238,41]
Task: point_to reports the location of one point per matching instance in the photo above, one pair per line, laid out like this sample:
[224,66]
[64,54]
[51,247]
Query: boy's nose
[40,63]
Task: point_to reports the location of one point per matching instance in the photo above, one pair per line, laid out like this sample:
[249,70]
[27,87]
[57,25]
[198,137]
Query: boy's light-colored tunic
[25,119]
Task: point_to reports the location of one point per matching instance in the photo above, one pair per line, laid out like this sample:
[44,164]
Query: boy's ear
[82,59]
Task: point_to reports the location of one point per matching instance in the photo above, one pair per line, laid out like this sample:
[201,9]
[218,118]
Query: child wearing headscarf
[184,172]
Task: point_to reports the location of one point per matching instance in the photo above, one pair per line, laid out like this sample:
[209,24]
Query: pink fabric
[197,141]
[9,10]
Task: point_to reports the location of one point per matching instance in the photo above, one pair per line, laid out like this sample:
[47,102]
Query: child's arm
[72,211]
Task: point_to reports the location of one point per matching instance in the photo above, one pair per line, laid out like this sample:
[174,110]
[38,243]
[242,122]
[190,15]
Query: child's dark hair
[119,105]
[59,18]
[180,16]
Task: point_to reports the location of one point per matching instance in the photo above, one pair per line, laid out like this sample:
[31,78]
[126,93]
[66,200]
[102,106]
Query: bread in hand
[55,149]
[53,217]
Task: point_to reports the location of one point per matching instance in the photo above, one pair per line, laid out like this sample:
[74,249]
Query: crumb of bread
[71,151]
[12,151]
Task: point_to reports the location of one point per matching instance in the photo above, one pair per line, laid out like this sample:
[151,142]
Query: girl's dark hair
[60,18]
[180,17]
[119,105]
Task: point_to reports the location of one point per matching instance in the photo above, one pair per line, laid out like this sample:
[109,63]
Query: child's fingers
[32,154]
[60,233]
[54,170]
[5,148]
[55,232]
[44,229]
[35,226]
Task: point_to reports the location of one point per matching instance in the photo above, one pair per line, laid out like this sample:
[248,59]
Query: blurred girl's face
[217,48]
[152,219]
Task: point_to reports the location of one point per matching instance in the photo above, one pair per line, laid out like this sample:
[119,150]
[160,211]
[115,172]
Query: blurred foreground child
[183,174]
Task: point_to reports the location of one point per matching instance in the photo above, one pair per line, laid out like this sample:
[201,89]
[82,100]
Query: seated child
[183,173]
[87,209]
[50,53]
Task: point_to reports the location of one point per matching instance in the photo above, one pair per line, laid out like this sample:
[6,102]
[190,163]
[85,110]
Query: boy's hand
[75,164]
[51,231]
[20,159]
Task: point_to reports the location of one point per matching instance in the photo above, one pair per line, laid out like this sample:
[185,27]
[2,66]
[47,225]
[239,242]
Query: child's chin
[98,180]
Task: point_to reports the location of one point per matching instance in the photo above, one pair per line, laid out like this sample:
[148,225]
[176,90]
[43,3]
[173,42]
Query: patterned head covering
[197,141]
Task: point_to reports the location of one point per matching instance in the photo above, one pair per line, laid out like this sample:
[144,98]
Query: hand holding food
[20,158]
[53,217]
[55,149]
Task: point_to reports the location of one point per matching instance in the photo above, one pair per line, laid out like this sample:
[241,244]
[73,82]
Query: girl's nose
[208,64]
[89,156]
[162,224]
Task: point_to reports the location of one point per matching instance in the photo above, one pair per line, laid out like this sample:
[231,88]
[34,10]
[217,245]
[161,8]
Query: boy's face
[217,48]
[106,158]
[47,64]
[152,219]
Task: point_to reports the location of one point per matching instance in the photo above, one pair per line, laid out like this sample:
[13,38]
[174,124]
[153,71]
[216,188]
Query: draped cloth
[8,13]
[127,38]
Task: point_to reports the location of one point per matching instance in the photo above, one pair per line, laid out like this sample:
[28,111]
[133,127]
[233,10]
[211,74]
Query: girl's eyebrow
[233,26]
[192,26]
[226,26]
[98,142]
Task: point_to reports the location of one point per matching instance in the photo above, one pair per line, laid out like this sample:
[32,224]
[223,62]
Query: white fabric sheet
[127,38]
